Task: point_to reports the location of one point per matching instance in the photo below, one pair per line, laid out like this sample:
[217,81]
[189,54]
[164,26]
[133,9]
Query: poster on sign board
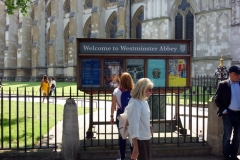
[135,67]
[157,72]
[177,72]
[112,72]
[91,73]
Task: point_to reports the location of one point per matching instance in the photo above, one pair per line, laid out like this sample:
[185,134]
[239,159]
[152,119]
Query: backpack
[125,97]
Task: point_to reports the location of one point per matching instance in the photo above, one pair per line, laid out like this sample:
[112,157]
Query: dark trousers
[52,90]
[122,142]
[231,122]
[144,149]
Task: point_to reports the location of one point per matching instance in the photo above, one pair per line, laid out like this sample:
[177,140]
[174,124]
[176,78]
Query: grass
[62,87]
[19,122]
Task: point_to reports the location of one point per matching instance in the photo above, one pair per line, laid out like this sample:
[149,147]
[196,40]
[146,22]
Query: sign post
[102,61]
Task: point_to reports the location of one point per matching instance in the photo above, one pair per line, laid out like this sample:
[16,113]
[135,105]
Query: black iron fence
[178,115]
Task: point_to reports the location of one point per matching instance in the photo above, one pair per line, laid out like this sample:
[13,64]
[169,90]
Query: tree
[12,5]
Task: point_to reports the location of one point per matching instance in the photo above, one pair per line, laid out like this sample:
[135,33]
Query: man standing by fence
[228,102]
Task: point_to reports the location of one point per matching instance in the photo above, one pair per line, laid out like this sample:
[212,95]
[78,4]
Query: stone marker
[215,129]
[70,136]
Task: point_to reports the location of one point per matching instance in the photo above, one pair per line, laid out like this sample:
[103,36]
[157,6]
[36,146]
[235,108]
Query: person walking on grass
[228,102]
[120,101]
[138,115]
[52,86]
[45,88]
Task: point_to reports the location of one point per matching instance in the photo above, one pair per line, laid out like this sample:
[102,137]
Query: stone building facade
[45,41]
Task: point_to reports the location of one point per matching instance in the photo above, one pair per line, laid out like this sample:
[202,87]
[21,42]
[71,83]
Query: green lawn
[16,117]
[64,89]
[33,87]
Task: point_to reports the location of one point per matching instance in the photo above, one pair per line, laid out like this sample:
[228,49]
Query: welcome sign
[132,48]
[101,62]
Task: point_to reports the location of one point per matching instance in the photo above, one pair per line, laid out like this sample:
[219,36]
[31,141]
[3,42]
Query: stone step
[158,151]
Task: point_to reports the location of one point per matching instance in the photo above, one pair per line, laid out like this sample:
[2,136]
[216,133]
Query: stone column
[72,52]
[96,20]
[70,136]
[51,59]
[38,37]
[24,50]
[55,54]
[10,52]
[2,36]
[215,129]
[121,28]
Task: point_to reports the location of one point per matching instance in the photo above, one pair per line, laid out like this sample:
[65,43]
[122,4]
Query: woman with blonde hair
[138,114]
[125,85]
[44,88]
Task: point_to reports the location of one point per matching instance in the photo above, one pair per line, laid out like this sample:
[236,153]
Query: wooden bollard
[70,136]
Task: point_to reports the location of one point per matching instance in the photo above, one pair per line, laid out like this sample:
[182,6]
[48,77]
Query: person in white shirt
[126,84]
[138,114]
[53,86]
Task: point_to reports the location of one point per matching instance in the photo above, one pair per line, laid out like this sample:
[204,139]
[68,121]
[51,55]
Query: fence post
[70,137]
[215,128]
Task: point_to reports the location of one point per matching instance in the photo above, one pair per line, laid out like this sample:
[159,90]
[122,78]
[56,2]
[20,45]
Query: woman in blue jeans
[126,84]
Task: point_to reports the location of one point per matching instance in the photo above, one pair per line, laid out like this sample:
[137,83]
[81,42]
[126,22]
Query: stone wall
[45,43]
[2,37]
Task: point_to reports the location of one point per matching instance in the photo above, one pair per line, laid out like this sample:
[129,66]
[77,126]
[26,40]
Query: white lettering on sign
[167,48]
[130,49]
[125,48]
[93,48]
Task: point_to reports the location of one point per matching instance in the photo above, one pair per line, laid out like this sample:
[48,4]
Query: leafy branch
[12,5]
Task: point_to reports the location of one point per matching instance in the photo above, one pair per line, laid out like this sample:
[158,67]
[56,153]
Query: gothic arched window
[189,25]
[67,7]
[184,21]
[179,26]
[137,23]
[48,10]
[66,37]
[87,30]
[111,27]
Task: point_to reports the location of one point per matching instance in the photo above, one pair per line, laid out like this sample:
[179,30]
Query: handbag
[52,86]
[123,125]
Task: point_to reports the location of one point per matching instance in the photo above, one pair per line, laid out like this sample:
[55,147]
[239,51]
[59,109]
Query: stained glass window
[184,5]
[179,26]
[139,26]
[189,25]
[113,29]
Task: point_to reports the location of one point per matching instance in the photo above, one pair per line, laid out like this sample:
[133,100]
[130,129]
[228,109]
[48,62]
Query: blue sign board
[91,72]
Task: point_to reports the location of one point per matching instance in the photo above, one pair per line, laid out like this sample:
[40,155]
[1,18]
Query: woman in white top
[138,114]
[126,84]
[53,86]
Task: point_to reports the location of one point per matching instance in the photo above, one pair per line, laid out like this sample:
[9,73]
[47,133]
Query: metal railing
[178,114]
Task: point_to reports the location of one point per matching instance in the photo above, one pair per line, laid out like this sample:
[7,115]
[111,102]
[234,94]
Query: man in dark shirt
[227,100]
